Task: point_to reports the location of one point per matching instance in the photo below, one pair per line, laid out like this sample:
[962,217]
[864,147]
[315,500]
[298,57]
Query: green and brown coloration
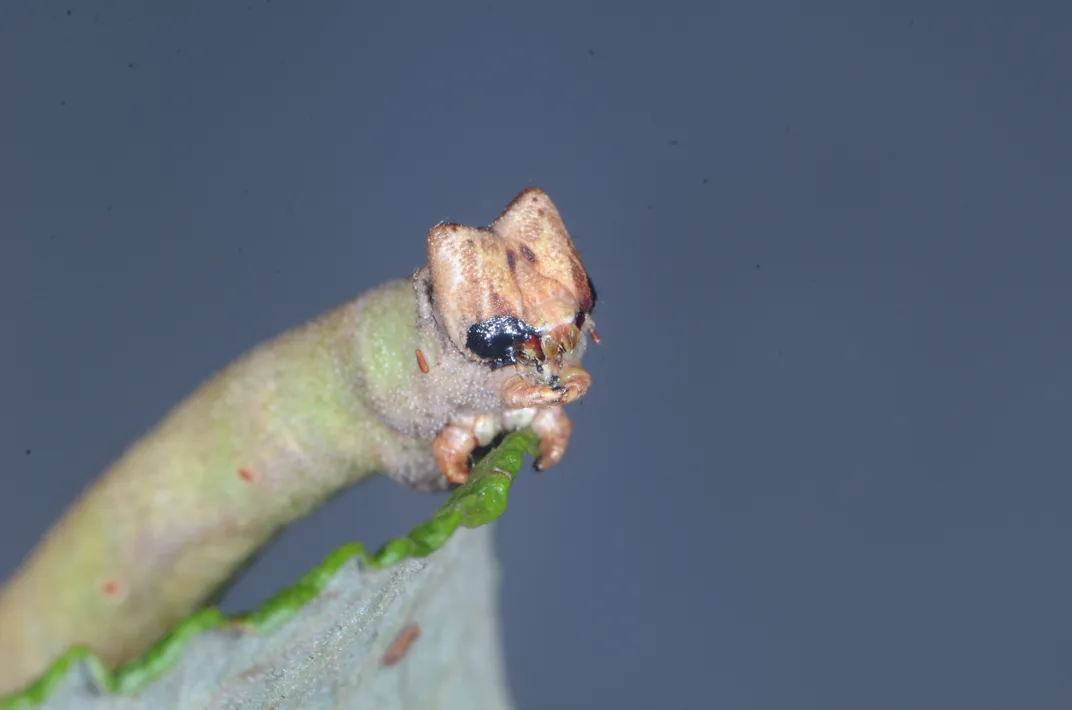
[407,379]
[479,501]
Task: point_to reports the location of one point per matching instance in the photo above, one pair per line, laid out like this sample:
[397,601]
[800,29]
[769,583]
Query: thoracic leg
[572,385]
[456,442]
[553,427]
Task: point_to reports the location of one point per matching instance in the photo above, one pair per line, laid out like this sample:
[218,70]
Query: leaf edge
[479,501]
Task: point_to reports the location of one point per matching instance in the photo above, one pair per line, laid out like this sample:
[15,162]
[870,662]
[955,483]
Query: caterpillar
[406,379]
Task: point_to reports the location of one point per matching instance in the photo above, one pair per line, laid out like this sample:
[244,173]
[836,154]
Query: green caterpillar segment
[260,444]
[409,379]
[479,501]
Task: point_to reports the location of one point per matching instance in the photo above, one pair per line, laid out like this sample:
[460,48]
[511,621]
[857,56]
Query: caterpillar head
[516,296]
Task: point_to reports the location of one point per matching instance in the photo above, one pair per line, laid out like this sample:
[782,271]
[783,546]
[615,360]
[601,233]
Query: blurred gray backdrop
[825,462]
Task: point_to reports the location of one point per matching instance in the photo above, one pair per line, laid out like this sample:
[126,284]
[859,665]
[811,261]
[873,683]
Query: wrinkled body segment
[406,379]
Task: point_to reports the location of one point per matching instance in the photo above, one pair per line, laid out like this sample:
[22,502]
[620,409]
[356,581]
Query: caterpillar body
[406,379]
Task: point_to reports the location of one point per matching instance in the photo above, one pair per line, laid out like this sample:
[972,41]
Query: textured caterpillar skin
[284,427]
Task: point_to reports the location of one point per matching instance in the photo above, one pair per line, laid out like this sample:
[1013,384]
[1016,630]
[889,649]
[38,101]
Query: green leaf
[479,501]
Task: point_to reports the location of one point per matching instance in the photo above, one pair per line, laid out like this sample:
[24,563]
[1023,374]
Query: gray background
[825,463]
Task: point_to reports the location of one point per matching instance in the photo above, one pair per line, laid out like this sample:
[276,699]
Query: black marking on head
[592,289]
[498,339]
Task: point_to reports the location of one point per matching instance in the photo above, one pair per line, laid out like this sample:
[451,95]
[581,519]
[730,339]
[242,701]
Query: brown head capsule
[517,294]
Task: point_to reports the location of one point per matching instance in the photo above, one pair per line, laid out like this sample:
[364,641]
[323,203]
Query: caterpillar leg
[456,442]
[553,427]
[569,386]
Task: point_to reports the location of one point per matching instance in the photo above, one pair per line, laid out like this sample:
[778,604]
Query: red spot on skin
[246,475]
[401,645]
[421,362]
[111,588]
